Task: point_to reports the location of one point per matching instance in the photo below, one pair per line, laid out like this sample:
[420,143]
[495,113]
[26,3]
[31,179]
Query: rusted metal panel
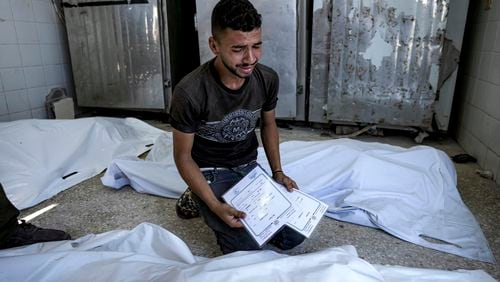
[376,61]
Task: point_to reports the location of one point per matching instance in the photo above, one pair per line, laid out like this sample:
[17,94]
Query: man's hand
[229,215]
[283,179]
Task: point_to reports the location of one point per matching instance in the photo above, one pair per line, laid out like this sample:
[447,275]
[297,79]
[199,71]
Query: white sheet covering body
[410,193]
[39,157]
[150,253]
[157,175]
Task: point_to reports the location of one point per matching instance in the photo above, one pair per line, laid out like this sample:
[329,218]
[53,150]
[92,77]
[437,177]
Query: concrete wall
[33,57]
[478,88]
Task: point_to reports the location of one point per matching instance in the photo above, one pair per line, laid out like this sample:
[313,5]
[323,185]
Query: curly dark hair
[235,14]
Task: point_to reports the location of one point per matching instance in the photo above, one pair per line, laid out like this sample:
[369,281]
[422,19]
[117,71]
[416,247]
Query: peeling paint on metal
[318,5]
[377,50]
[449,61]
[434,76]
[377,60]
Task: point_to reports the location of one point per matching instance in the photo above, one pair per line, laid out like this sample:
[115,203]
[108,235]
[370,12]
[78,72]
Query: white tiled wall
[479,110]
[33,58]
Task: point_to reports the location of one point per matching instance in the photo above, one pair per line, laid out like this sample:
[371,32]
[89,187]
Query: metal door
[116,53]
[381,61]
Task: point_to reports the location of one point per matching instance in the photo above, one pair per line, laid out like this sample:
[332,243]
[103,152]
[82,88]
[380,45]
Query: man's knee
[237,240]
[287,239]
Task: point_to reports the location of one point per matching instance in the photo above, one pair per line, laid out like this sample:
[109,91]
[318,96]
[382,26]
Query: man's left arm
[270,140]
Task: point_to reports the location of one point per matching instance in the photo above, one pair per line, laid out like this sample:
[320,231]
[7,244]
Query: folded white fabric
[157,175]
[150,253]
[41,158]
[410,193]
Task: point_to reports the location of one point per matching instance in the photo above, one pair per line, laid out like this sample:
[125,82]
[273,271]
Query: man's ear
[213,45]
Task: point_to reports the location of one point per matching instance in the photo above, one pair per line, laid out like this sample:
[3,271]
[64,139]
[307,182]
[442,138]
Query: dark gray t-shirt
[222,119]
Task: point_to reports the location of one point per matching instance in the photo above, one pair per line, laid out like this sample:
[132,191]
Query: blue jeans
[238,239]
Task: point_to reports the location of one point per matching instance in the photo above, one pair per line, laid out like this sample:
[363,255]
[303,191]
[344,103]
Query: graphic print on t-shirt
[235,126]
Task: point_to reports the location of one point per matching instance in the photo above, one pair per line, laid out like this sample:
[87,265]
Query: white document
[307,212]
[269,206]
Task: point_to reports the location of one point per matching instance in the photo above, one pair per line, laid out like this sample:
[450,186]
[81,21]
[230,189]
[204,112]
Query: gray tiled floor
[89,207]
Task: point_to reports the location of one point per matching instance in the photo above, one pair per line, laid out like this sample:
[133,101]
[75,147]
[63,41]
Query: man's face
[237,50]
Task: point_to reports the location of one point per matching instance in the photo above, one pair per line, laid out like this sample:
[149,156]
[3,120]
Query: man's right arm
[190,172]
